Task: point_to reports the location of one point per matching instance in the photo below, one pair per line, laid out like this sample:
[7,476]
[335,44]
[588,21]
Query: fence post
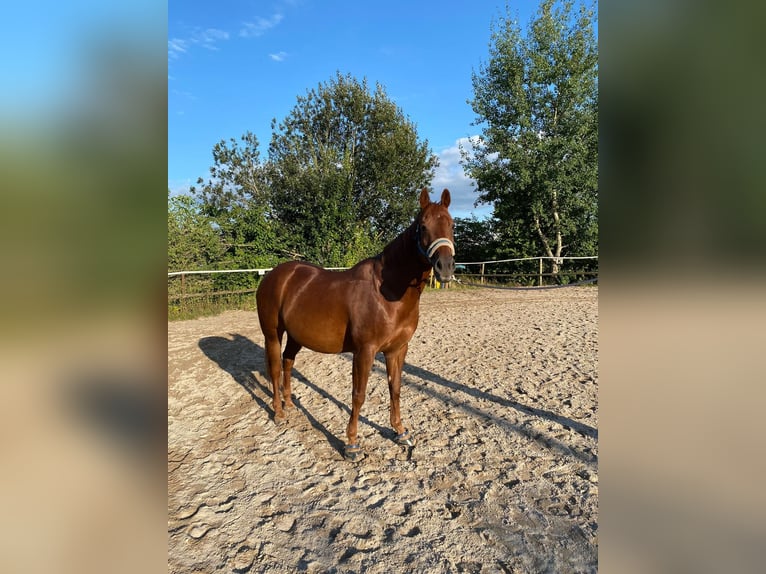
[482,273]
[540,277]
[181,302]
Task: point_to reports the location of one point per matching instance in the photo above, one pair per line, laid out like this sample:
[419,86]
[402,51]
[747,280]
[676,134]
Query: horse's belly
[321,329]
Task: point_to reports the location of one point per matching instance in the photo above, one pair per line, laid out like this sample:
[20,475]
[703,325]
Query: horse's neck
[404,270]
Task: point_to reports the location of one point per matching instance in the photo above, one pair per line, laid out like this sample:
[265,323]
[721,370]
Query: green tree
[236,177]
[475,239]
[193,243]
[344,167]
[236,198]
[537,158]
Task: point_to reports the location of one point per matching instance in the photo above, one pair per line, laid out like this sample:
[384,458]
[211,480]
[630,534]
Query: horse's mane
[401,246]
[401,267]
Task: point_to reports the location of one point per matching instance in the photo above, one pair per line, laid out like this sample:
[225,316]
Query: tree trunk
[557,227]
[554,257]
[553,252]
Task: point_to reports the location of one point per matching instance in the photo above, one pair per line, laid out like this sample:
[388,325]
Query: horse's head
[434,235]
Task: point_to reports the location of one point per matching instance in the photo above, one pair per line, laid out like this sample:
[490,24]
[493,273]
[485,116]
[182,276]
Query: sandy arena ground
[501,389]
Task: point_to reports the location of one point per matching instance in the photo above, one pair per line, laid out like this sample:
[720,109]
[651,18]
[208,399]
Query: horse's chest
[400,329]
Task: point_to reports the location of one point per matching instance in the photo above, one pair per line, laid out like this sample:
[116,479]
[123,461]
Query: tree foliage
[236,177]
[475,239]
[342,168]
[537,158]
[236,198]
[193,243]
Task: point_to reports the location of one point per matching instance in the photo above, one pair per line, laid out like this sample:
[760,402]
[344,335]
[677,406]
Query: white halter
[438,243]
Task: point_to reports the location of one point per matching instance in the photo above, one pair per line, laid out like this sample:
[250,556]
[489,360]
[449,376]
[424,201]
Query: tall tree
[537,158]
[344,167]
[236,198]
[236,177]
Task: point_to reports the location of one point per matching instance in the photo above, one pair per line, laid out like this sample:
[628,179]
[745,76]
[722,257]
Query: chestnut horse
[370,308]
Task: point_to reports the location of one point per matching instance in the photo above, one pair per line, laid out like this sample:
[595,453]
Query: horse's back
[278,278]
[281,284]
[308,302]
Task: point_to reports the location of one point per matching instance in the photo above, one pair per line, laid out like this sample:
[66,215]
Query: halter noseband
[435,244]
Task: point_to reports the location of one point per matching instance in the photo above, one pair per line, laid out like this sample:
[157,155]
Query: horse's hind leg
[273,342]
[288,358]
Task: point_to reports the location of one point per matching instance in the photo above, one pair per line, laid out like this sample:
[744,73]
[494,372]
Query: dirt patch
[501,390]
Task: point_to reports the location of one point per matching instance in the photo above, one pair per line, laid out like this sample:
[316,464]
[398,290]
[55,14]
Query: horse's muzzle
[444,268]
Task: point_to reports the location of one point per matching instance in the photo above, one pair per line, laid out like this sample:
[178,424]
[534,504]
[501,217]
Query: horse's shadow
[421,377]
[578,427]
[242,358]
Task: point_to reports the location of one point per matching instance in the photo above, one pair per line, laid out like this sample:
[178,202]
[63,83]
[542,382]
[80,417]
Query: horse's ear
[445,198]
[424,199]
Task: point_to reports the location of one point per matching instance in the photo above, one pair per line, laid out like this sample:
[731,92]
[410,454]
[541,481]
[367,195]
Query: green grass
[208,305]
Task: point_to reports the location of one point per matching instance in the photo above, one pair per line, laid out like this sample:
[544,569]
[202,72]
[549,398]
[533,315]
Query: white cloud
[209,38]
[184,94]
[260,26]
[176,47]
[450,175]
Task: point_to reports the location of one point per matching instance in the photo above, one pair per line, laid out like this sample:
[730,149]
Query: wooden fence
[484,274]
[184,288]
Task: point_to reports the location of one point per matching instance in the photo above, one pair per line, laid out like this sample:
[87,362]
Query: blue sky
[233,66]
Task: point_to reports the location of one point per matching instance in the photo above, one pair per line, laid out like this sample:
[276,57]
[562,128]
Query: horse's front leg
[361,372]
[394,364]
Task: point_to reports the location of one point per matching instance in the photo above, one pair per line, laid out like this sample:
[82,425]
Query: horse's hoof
[353,452]
[405,439]
[280,417]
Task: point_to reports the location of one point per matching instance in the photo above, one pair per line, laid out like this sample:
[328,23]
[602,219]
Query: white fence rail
[261,271]
[264,270]
[482,274]
[559,259]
